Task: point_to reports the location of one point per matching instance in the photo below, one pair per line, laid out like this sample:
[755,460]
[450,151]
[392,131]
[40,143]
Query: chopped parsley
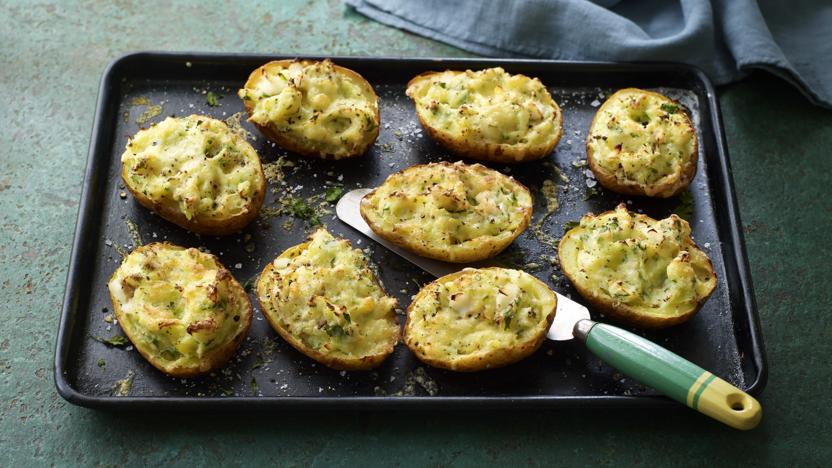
[684,209]
[298,208]
[571,225]
[101,363]
[333,194]
[591,192]
[212,99]
[336,331]
[116,341]
[670,108]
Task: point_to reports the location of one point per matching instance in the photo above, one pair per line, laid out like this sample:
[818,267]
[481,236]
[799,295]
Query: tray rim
[84,221]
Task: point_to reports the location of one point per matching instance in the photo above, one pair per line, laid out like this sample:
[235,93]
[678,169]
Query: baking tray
[723,337]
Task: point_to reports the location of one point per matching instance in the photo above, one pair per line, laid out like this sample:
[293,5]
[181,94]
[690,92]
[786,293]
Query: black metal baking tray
[723,337]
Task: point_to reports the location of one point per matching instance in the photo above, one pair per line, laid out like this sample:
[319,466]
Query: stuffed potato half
[642,271]
[313,108]
[322,297]
[196,173]
[181,308]
[478,319]
[453,212]
[642,143]
[488,114]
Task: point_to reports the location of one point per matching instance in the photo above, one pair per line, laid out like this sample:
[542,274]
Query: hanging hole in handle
[738,402]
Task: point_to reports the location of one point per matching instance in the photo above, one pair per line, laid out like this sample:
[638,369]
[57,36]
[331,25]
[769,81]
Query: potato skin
[202,225]
[213,361]
[333,362]
[622,312]
[286,142]
[492,152]
[492,360]
[404,241]
[625,187]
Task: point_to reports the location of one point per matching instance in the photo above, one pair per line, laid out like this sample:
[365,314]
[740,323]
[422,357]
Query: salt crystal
[238,266]
[595,103]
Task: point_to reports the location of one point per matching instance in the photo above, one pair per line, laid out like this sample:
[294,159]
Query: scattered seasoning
[684,209]
[249,285]
[424,380]
[122,387]
[550,193]
[122,194]
[149,113]
[212,99]
[249,247]
[101,363]
[139,101]
[119,249]
[274,170]
[135,235]
[531,267]
[108,318]
[253,385]
[570,225]
[116,341]
[234,123]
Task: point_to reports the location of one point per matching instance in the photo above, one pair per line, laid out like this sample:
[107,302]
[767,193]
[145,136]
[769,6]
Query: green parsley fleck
[591,193]
[253,385]
[298,208]
[116,341]
[670,108]
[570,225]
[212,99]
[101,363]
[333,194]
[684,209]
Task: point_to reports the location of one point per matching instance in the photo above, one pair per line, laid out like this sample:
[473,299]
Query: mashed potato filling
[651,266]
[177,304]
[451,207]
[489,106]
[194,164]
[642,137]
[312,103]
[478,311]
[324,294]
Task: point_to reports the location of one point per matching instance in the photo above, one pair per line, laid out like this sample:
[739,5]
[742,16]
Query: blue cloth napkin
[725,38]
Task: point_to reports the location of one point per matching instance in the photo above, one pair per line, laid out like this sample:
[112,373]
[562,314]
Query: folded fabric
[725,38]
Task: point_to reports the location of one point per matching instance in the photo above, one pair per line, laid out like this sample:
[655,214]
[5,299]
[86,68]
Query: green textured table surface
[51,59]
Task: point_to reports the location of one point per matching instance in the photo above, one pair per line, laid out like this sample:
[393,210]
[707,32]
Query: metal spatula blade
[568,311]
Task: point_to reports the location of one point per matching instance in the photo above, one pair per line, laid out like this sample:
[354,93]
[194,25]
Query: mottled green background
[51,57]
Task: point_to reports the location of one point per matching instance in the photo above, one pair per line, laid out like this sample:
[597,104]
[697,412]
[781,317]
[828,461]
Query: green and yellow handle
[670,374]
